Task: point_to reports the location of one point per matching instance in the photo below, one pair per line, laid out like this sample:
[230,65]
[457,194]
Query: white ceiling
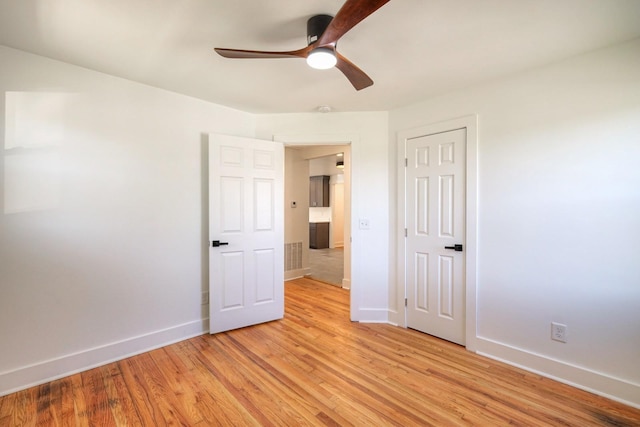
[412,49]
[325,165]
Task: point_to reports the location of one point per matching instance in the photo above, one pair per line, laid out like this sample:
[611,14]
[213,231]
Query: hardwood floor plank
[287,368]
[159,391]
[244,383]
[120,402]
[7,407]
[282,373]
[350,365]
[146,407]
[98,409]
[184,394]
[67,408]
[216,403]
[313,368]
[43,416]
[25,411]
[79,403]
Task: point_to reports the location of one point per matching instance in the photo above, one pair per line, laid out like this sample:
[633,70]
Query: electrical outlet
[205,298]
[363,224]
[558,332]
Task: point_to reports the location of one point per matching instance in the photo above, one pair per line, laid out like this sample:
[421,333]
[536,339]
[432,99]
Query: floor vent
[292,256]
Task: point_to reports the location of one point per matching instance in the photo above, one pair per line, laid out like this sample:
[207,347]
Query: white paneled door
[435,218]
[246,232]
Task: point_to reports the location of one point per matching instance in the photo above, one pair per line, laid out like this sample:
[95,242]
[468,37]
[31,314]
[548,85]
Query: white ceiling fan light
[322,58]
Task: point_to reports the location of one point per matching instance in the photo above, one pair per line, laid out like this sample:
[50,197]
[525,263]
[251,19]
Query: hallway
[327,265]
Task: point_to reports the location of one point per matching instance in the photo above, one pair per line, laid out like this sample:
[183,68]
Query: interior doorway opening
[317,213]
[326,219]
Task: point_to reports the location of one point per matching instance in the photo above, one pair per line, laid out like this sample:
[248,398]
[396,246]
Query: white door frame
[470,123]
[311,140]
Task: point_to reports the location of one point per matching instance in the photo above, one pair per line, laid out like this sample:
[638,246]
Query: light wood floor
[314,367]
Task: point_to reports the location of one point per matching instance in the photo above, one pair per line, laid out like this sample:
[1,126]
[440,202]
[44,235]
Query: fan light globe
[322,58]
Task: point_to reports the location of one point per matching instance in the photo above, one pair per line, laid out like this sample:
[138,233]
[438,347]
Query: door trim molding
[470,123]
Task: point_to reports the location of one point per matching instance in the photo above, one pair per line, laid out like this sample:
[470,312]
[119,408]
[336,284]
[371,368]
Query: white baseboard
[296,274]
[53,369]
[371,315]
[394,318]
[346,283]
[595,382]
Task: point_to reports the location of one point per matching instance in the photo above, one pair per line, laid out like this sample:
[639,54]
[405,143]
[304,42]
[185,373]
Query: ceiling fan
[323,33]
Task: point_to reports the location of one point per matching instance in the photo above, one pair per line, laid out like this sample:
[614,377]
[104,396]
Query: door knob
[217,243]
[457,248]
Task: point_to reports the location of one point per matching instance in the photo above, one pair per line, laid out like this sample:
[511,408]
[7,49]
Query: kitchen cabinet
[318,235]
[319,191]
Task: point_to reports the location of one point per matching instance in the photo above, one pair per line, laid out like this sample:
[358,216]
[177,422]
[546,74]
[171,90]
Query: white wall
[103,225]
[337,196]
[559,215]
[296,220]
[367,134]
[325,166]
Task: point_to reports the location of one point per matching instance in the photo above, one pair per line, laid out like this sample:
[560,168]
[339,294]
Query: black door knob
[457,248]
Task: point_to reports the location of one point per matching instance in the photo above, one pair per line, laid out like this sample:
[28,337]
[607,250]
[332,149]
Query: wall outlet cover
[558,332]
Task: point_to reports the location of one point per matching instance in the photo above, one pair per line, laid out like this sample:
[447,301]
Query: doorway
[326,219]
[328,259]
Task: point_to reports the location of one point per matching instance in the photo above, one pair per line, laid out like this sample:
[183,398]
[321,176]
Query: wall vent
[292,256]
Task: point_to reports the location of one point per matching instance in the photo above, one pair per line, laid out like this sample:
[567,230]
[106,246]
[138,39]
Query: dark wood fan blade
[356,76]
[239,53]
[349,15]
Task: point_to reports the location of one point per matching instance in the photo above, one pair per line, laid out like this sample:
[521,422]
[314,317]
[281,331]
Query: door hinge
[406,162]
[405,302]
[405,233]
